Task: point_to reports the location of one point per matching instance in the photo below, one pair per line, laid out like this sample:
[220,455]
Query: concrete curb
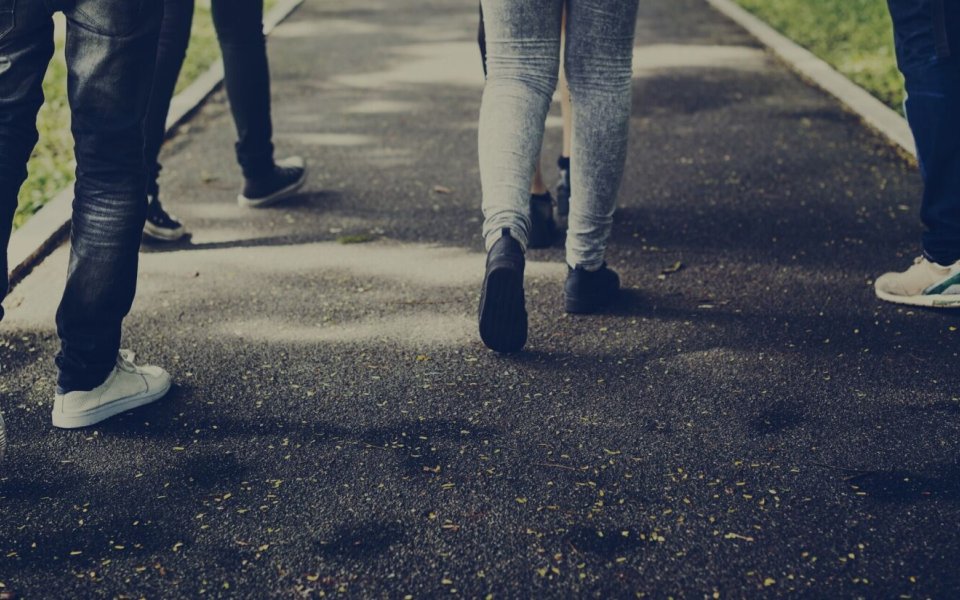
[44,231]
[874,113]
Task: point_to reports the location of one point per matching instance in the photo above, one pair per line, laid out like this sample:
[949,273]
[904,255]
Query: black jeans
[927,35]
[110,50]
[239,25]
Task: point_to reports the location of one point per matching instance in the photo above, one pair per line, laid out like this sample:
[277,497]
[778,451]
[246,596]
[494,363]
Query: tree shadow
[940,482]
[776,418]
[604,543]
[355,542]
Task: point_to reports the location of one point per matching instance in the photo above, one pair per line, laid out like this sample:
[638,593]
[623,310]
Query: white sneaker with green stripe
[923,284]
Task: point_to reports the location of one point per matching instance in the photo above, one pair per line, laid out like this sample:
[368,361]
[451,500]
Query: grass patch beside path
[854,36]
[52,165]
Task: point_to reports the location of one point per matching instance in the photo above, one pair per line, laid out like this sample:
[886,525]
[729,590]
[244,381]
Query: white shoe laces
[125,361]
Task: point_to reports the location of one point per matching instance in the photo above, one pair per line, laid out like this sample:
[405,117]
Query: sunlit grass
[854,36]
[52,165]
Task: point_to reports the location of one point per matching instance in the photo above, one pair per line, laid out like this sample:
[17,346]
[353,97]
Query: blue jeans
[110,49]
[523,64]
[239,25]
[927,35]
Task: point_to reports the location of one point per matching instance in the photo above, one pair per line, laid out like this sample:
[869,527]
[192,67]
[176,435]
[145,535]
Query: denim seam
[12,12]
[135,31]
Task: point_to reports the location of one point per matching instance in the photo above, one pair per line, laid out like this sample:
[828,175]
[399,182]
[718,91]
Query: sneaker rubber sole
[281,194]
[578,306]
[163,235]
[503,315]
[928,300]
[102,413]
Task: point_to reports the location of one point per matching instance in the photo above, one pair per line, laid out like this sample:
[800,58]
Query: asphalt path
[747,421]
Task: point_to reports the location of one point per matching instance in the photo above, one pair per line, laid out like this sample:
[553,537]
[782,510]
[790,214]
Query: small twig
[846,469]
[556,466]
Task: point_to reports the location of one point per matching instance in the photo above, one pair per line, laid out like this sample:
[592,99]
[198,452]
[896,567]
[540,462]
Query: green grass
[854,36]
[52,165]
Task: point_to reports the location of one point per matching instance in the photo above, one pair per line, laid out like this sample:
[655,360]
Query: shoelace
[125,361]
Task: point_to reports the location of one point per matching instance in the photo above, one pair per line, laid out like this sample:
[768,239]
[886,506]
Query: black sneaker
[287,177]
[563,194]
[503,314]
[543,231]
[161,225]
[590,291]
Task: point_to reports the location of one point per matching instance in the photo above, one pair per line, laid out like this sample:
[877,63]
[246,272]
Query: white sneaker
[924,284]
[127,387]
[3,438]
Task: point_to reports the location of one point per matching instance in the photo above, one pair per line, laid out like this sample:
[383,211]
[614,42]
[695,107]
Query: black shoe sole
[543,231]
[576,306]
[163,234]
[275,197]
[580,306]
[503,315]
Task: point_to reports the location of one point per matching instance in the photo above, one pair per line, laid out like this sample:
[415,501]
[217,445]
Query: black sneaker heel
[503,313]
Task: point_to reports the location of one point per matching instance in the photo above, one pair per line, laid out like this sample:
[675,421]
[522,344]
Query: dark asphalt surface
[754,424]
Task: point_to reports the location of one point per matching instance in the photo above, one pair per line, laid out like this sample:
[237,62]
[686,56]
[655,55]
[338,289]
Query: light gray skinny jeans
[523,63]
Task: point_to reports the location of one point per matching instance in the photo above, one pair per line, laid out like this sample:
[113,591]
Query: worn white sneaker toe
[923,284]
[127,387]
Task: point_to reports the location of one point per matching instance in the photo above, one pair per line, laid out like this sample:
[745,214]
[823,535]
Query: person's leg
[598,64]
[111,51]
[523,57]
[933,110]
[598,59]
[239,25]
[171,52]
[543,228]
[563,161]
[482,42]
[927,36]
[26,45]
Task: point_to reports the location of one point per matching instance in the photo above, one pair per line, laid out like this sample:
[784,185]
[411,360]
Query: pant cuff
[589,263]
[517,233]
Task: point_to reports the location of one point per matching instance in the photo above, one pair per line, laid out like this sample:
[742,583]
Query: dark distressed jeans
[927,35]
[110,51]
[239,25]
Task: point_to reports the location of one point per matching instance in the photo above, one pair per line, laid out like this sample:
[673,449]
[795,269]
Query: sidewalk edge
[872,111]
[45,230]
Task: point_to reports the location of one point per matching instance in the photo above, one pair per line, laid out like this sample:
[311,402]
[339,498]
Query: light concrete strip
[32,242]
[874,113]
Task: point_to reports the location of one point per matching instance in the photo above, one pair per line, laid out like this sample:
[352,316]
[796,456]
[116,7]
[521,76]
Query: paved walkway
[754,422]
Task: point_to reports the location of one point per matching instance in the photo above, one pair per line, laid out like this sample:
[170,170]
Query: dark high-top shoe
[503,313]
[590,291]
[286,178]
[563,194]
[543,230]
[160,225]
